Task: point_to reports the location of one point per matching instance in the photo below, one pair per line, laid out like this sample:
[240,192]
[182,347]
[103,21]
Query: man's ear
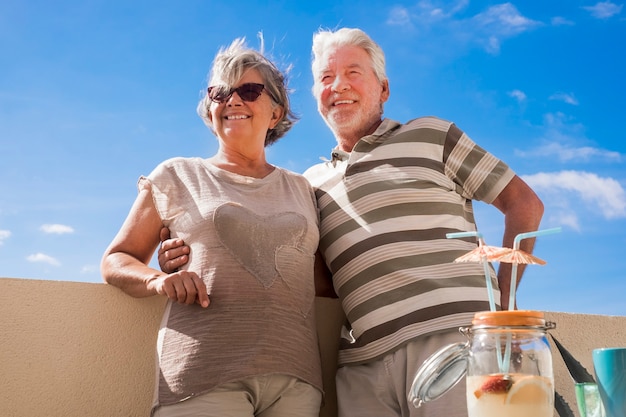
[384,94]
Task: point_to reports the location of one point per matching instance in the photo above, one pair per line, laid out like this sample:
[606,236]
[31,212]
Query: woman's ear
[208,113]
[277,115]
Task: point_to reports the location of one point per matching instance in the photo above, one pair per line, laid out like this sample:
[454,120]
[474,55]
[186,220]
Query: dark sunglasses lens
[219,93]
[250,91]
[247,92]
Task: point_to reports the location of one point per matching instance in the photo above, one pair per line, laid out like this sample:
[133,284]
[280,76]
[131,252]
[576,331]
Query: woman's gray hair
[229,66]
[325,39]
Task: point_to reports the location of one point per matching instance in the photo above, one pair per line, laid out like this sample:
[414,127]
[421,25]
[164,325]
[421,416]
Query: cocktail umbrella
[483,254]
[518,256]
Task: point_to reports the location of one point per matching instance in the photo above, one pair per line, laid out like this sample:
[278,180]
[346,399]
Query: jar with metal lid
[507,361]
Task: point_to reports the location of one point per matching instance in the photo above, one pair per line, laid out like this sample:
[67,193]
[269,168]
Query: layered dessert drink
[510,395]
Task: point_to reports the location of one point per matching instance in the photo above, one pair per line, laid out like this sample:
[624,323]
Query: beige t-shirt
[253,242]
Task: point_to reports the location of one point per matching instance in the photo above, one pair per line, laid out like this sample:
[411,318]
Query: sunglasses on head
[247,92]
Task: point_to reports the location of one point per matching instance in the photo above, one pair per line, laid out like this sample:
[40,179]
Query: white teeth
[236,117]
[344,102]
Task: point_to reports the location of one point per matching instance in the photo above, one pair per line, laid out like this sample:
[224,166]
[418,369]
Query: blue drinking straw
[492,303]
[516,244]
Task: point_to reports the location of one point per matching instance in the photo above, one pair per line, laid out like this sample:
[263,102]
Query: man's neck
[347,141]
[347,145]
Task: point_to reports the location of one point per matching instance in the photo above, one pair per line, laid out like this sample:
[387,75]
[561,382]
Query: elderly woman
[238,334]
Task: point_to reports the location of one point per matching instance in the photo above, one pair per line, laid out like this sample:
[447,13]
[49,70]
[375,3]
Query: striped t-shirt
[385,209]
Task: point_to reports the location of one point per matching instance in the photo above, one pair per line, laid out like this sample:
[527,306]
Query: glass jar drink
[509,366]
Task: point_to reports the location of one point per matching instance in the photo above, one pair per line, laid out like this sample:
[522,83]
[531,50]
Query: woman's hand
[184,287]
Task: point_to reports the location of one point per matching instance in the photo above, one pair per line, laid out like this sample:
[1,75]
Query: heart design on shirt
[290,263]
[269,247]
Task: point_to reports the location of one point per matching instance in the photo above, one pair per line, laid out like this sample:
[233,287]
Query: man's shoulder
[432,122]
[317,171]
[322,172]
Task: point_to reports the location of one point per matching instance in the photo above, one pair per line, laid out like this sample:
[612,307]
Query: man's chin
[342,122]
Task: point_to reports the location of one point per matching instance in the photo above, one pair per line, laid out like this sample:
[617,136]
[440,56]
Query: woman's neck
[249,165]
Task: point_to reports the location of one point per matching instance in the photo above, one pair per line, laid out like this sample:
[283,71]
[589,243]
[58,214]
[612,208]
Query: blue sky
[95,93]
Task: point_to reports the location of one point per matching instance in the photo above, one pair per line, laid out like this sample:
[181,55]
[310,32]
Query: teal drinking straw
[479,236]
[516,244]
[492,303]
[484,260]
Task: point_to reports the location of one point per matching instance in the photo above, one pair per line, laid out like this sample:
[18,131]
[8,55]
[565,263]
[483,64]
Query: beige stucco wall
[80,349]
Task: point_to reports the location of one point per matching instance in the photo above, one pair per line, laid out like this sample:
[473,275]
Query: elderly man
[388,197]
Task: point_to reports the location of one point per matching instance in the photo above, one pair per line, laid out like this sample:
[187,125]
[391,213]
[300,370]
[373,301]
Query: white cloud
[567,98]
[603,195]
[504,19]
[399,16]
[424,14]
[499,22]
[40,257]
[604,9]
[565,219]
[561,141]
[487,29]
[4,234]
[518,95]
[556,120]
[89,269]
[58,229]
[561,21]
[565,153]
[492,45]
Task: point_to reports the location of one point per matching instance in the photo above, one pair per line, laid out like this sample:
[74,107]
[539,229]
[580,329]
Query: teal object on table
[610,367]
